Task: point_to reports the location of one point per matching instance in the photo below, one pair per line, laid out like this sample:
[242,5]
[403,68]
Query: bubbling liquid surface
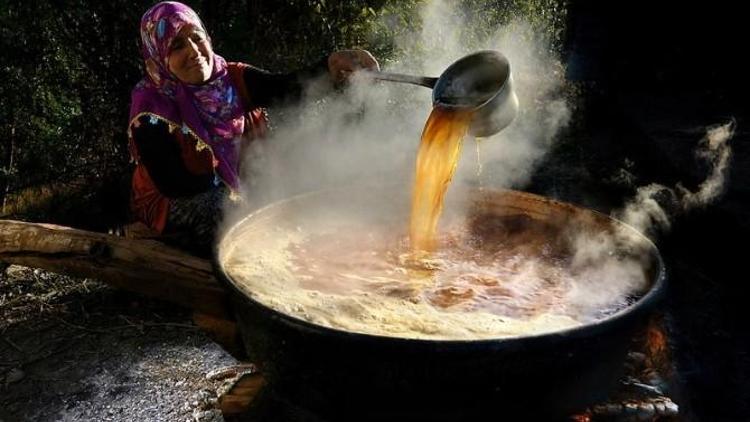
[485,279]
[457,277]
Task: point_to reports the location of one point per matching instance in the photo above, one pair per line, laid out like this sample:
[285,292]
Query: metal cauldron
[342,375]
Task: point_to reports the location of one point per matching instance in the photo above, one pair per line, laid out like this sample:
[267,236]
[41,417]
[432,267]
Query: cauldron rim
[642,305]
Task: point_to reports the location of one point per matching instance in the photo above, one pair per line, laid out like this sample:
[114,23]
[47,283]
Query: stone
[17,272]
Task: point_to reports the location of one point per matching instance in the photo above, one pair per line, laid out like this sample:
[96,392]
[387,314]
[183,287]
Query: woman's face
[190,57]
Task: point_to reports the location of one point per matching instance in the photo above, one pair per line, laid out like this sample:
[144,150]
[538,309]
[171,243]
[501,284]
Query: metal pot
[481,82]
[342,375]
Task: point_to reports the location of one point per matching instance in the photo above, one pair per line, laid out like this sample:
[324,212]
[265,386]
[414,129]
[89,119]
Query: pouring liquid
[439,151]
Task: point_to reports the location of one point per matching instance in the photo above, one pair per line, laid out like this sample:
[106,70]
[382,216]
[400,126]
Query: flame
[583,417]
[656,340]
[656,345]
[437,159]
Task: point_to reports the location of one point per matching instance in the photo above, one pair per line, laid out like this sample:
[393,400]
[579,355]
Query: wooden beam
[143,266]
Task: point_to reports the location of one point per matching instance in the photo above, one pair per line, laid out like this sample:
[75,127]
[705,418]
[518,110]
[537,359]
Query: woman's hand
[341,64]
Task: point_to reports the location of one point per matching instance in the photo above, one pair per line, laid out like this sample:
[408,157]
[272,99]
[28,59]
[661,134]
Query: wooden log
[236,397]
[143,266]
[222,331]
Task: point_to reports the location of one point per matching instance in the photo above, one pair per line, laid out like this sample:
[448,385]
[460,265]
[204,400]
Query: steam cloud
[370,132]
[653,205]
[611,266]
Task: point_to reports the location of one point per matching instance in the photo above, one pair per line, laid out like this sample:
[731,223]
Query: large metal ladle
[481,82]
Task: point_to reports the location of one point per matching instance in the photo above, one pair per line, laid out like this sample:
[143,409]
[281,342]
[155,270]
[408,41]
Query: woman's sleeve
[159,151]
[266,88]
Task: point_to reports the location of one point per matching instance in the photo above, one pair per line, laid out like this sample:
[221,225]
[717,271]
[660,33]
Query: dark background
[655,76]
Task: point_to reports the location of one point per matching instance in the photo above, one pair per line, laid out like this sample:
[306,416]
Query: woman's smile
[198,63]
[190,56]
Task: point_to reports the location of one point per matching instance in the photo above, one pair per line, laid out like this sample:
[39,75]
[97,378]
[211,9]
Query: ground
[77,350]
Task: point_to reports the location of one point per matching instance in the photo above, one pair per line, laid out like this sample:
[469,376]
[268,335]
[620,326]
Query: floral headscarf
[211,112]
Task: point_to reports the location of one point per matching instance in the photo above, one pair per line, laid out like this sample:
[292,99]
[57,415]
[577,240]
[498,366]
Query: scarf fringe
[200,144]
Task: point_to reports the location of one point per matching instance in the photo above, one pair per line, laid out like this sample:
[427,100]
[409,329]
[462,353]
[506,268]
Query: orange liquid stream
[437,159]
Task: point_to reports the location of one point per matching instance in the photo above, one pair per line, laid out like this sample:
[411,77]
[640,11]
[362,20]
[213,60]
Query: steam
[611,266]
[653,205]
[369,133]
[608,268]
[509,157]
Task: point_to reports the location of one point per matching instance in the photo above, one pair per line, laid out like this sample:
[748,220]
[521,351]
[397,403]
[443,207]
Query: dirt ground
[78,350]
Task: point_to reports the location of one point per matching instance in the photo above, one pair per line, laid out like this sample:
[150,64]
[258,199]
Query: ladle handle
[408,79]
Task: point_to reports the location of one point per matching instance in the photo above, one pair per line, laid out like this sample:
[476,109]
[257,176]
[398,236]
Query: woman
[190,117]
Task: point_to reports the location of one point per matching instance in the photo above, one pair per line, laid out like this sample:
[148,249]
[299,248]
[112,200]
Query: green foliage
[67,71]
[290,34]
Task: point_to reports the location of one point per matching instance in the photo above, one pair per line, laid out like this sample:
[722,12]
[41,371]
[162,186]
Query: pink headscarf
[212,112]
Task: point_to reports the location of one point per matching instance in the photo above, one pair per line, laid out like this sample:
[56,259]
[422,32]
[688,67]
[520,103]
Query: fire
[656,345]
[583,417]
[437,159]
[656,340]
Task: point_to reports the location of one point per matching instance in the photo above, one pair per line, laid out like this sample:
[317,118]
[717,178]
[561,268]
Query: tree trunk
[138,265]
[11,164]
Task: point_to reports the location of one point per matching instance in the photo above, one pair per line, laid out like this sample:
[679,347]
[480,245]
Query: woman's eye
[177,44]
